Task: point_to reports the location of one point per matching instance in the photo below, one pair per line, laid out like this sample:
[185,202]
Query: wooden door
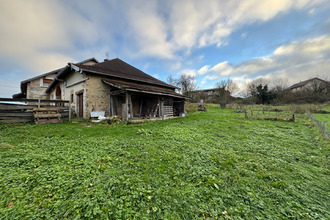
[80,105]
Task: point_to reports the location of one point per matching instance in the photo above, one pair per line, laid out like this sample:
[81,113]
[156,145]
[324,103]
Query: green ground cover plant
[209,165]
[323,117]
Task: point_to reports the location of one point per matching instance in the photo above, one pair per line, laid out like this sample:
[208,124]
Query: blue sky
[211,39]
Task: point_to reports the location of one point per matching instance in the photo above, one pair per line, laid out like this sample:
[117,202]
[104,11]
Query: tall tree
[185,82]
[263,95]
[251,87]
[224,90]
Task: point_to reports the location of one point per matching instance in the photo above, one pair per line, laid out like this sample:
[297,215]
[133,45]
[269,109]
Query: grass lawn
[209,165]
[322,118]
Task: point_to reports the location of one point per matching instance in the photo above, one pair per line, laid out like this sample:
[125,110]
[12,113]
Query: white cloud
[34,32]
[189,72]
[295,62]
[203,70]
[154,29]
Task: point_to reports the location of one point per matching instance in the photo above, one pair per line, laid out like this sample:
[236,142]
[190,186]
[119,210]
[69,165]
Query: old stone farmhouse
[112,86]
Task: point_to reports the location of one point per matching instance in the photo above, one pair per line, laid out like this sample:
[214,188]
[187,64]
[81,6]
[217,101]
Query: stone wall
[97,95]
[36,89]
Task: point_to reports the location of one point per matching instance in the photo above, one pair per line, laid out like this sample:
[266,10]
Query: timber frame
[130,103]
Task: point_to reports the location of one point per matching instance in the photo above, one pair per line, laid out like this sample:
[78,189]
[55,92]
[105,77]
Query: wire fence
[321,125]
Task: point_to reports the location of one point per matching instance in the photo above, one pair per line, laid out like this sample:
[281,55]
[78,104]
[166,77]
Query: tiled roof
[118,68]
[143,88]
[300,84]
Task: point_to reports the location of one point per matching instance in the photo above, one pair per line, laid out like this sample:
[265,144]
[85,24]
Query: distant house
[112,86]
[205,94]
[311,85]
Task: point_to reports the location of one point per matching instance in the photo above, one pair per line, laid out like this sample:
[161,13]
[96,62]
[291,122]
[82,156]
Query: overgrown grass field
[209,165]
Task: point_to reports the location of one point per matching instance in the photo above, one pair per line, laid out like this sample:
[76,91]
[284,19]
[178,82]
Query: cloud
[203,70]
[37,33]
[194,23]
[131,28]
[295,61]
[189,72]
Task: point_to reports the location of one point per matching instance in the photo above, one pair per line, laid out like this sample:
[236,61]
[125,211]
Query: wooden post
[184,107]
[112,106]
[293,118]
[130,105]
[38,103]
[162,107]
[70,110]
[126,110]
[110,112]
[159,107]
[140,112]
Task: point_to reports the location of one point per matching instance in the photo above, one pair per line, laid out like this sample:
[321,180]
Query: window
[46,82]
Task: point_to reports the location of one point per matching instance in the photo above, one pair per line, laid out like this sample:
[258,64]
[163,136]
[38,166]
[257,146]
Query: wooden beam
[17,114]
[117,92]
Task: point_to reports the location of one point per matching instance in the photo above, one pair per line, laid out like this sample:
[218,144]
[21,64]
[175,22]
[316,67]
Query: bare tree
[185,82]
[224,90]
[251,87]
[317,86]
[279,85]
[171,81]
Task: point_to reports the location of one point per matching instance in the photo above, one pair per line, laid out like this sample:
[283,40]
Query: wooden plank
[16,120]
[16,114]
[15,107]
[45,109]
[51,121]
[32,100]
[40,115]
[117,92]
